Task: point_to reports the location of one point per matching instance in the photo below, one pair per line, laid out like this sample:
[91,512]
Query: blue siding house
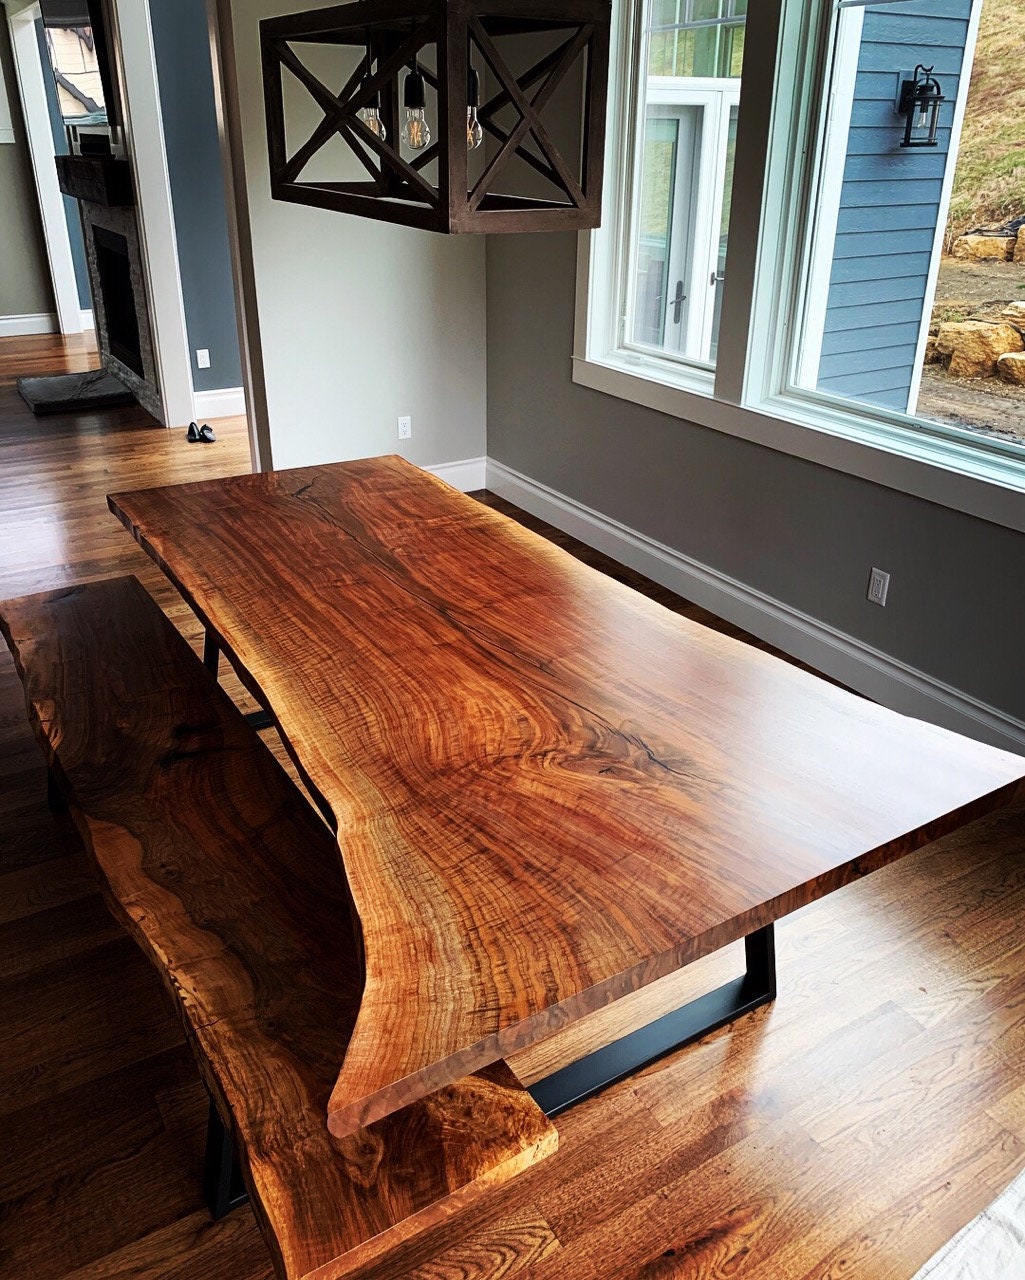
[892,205]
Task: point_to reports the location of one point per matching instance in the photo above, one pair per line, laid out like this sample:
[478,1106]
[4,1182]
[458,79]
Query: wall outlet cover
[878,586]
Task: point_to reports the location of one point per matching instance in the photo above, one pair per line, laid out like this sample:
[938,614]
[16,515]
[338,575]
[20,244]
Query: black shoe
[192,435]
[206,434]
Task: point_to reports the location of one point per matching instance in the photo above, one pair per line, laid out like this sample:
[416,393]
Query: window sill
[931,463]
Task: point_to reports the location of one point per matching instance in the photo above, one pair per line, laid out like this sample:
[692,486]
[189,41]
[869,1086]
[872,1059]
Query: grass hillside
[989,186]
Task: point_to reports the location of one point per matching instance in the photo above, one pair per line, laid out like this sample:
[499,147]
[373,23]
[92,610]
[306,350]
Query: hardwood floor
[847,1130]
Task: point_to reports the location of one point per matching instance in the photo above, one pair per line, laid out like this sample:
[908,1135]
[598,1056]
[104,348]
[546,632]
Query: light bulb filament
[474,133]
[417,133]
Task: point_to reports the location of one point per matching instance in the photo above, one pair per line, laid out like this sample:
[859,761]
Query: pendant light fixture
[502,119]
[416,132]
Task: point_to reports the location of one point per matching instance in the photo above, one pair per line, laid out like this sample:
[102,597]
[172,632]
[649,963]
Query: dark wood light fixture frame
[396,189]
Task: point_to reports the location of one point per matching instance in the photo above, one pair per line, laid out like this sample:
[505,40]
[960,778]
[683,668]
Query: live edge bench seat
[233,887]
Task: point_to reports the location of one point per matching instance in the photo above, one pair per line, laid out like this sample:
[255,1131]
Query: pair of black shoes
[204,433]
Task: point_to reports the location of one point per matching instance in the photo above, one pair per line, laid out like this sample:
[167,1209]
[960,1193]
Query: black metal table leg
[211,653]
[211,660]
[223,1188]
[695,1019]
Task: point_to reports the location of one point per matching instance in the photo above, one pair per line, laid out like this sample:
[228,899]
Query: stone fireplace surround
[103,188]
[122,221]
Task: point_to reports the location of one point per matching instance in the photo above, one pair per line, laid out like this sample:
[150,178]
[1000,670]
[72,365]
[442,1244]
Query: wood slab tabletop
[547,790]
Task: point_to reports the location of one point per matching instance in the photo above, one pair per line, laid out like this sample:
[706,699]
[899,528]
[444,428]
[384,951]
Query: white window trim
[830,189]
[985,479]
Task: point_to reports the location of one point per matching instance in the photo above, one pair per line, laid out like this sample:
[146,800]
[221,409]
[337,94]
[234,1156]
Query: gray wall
[801,533]
[25,287]
[182,54]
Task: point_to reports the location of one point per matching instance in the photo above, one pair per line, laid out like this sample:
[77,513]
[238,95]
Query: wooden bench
[232,885]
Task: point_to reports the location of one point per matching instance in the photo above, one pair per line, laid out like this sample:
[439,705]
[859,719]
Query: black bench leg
[54,795]
[223,1188]
[707,1013]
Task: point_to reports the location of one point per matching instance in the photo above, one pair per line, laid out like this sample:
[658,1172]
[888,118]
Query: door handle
[678,300]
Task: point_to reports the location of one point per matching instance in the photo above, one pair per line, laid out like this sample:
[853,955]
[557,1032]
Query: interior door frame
[133,40]
[21,21]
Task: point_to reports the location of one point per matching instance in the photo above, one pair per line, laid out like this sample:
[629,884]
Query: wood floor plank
[41,886]
[60,935]
[64,1136]
[67,1025]
[192,1247]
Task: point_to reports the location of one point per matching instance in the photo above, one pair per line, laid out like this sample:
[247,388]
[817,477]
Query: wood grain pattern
[548,791]
[232,886]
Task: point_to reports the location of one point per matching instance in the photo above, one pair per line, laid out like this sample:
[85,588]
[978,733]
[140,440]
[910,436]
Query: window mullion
[761,47]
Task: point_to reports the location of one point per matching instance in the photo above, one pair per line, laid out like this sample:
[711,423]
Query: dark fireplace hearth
[113,267]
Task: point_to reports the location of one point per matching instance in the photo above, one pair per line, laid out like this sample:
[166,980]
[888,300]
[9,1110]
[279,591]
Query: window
[76,73]
[804,329]
[667,298]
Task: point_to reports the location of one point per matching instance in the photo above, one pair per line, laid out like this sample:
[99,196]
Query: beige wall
[360,321]
[24,275]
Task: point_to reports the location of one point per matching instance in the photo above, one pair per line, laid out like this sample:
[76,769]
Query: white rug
[990,1247]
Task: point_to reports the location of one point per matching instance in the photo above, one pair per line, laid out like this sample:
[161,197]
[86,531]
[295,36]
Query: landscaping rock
[1014,313]
[1019,246]
[975,346]
[932,353]
[1011,368]
[985,248]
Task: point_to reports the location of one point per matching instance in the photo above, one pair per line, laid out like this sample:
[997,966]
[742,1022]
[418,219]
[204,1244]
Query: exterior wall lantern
[919,101]
[543,64]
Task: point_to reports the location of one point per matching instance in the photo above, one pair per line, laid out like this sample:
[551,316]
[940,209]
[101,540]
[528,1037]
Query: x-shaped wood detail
[340,114]
[551,69]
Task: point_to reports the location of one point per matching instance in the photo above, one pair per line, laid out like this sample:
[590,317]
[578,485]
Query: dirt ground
[980,404]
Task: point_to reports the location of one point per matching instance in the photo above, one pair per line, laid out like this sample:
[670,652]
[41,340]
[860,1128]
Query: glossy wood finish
[694,1166]
[548,792]
[231,885]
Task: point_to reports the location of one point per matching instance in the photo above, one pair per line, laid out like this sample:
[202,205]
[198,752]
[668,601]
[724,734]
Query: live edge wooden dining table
[547,790]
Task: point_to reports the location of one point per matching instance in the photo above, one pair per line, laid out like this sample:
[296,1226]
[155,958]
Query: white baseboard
[88,319]
[17,326]
[222,402]
[467,475]
[835,653]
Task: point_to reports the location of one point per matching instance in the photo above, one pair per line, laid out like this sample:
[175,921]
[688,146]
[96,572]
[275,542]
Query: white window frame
[715,101]
[748,394]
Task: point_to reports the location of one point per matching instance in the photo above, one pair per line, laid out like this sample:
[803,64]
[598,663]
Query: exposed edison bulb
[474,133]
[371,117]
[416,132]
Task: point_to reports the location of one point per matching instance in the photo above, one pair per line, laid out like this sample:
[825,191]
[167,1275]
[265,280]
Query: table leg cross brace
[693,1020]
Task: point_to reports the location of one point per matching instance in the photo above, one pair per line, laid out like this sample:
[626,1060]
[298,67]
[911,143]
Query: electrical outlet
[405,428]
[202,358]
[878,586]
